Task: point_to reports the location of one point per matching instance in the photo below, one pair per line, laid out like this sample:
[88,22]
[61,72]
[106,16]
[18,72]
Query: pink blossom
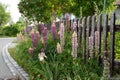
[62,42]
[74,44]
[44,36]
[34,35]
[53,30]
[31,52]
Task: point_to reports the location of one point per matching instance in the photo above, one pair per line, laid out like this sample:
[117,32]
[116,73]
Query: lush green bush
[117,46]
[11,30]
[56,66]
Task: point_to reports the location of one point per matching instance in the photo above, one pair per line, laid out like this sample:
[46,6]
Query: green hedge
[11,30]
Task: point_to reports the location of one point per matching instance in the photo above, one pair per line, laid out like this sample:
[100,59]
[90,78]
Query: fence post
[84,38]
[112,44]
[93,32]
[79,31]
[105,27]
[99,26]
[87,36]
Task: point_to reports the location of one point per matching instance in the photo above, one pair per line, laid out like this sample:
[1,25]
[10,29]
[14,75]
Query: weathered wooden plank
[105,34]
[79,31]
[117,27]
[87,36]
[80,34]
[99,25]
[84,38]
[112,43]
[93,31]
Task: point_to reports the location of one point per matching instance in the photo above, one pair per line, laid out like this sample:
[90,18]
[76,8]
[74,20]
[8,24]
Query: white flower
[41,56]
[59,50]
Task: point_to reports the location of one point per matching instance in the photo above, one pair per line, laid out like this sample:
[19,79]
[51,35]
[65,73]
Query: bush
[11,30]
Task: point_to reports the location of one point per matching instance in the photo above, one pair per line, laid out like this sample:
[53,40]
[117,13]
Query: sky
[12,8]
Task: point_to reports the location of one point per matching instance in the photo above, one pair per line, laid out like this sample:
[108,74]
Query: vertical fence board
[105,27]
[84,38]
[93,31]
[87,36]
[112,44]
[99,26]
[79,31]
[80,34]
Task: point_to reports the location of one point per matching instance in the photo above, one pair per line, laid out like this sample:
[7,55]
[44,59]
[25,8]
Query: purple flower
[53,30]
[44,36]
[31,52]
[34,35]
[42,50]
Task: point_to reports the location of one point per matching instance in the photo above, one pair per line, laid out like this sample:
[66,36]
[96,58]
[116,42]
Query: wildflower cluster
[74,44]
[44,36]
[34,35]
[53,30]
[62,30]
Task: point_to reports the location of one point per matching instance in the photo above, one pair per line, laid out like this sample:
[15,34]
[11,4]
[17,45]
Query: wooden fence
[87,27]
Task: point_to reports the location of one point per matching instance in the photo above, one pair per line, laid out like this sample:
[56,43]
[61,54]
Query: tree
[4,16]
[90,7]
[43,10]
[46,10]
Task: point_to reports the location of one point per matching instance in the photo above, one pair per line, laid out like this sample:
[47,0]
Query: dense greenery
[56,66]
[4,16]
[44,10]
[10,30]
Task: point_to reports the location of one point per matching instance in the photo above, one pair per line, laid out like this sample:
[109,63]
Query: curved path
[4,70]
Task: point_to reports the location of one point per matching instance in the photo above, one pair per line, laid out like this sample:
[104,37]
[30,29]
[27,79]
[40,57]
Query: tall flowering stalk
[59,50]
[106,70]
[62,30]
[42,55]
[74,26]
[53,30]
[91,46]
[74,44]
[41,27]
[31,52]
[34,35]
[97,41]
[19,37]
[44,36]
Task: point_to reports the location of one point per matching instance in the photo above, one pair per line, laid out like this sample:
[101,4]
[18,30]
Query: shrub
[11,30]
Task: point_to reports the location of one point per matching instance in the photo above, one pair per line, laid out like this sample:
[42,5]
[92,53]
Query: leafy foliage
[4,16]
[11,30]
[56,66]
[45,10]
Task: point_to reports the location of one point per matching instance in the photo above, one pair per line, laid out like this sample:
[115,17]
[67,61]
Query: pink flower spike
[53,30]
[31,52]
[74,44]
